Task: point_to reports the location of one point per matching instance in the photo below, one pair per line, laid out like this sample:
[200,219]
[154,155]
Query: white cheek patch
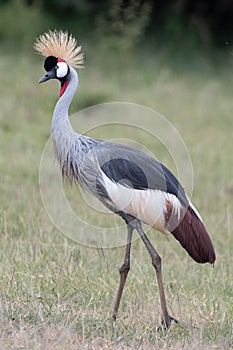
[62,69]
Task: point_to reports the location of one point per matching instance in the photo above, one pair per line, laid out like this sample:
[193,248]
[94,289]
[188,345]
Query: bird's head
[56,68]
[61,52]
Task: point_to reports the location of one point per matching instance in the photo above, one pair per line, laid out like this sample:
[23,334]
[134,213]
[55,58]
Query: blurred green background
[201,23]
[174,57]
[181,25]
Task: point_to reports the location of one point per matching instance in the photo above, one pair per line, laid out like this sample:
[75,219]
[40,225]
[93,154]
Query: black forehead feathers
[49,63]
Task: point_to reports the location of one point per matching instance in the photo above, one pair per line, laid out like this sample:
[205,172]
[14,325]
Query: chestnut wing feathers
[192,235]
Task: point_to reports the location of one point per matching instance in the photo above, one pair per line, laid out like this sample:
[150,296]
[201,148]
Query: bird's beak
[49,75]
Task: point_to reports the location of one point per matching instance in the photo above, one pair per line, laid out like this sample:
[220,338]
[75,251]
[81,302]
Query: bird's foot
[166,323]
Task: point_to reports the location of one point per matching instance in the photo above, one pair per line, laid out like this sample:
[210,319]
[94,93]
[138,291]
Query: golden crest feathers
[61,45]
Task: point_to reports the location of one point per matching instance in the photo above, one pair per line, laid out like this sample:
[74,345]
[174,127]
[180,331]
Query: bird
[132,184]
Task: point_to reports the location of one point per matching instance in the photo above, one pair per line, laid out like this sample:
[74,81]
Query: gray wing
[135,169]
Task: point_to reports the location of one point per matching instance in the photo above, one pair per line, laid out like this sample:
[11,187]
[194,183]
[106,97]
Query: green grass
[57,294]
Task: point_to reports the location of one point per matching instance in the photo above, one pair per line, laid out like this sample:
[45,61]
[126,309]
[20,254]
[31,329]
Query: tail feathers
[192,235]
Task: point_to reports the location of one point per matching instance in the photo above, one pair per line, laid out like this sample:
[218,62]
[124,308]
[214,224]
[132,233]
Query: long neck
[60,115]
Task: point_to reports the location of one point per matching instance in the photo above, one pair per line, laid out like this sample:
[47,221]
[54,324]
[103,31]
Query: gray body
[82,158]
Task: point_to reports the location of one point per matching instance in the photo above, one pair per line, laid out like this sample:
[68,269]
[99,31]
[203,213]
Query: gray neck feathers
[60,115]
[62,132]
[70,148]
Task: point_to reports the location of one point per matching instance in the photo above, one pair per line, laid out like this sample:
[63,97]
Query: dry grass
[56,294]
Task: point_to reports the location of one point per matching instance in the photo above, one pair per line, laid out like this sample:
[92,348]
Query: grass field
[57,294]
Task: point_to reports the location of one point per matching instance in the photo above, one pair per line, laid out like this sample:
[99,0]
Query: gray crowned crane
[130,183]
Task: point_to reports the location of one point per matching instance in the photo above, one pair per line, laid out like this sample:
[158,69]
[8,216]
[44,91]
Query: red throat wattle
[63,88]
[65,84]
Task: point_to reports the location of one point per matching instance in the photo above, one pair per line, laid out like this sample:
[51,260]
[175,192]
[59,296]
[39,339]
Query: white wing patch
[148,206]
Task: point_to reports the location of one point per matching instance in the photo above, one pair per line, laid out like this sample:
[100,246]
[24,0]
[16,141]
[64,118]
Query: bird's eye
[62,69]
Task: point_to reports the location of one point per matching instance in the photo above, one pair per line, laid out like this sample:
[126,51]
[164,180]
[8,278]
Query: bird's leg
[124,269]
[156,262]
